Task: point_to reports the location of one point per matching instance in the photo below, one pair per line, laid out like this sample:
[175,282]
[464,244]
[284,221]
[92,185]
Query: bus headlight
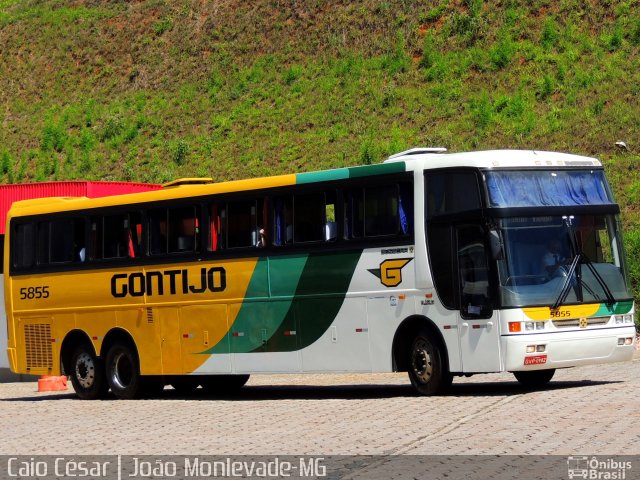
[528,326]
[619,319]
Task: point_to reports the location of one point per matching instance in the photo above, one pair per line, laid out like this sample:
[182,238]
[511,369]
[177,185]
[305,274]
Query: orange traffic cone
[49,383]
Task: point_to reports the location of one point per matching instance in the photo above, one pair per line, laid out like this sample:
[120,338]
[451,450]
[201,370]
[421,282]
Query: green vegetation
[155,90]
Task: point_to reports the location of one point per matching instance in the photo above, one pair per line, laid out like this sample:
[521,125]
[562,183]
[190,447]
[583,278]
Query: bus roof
[42,193]
[410,160]
[422,159]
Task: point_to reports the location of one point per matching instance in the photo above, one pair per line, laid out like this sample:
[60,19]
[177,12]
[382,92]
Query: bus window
[245,220]
[61,241]
[330,226]
[157,231]
[309,217]
[217,217]
[377,211]
[353,214]
[23,245]
[381,211]
[283,220]
[451,192]
[183,229]
[121,235]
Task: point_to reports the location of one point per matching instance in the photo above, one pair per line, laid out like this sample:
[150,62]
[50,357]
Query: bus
[432,263]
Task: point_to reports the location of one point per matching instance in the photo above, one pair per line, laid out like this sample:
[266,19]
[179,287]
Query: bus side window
[283,220]
[157,231]
[217,217]
[23,245]
[381,211]
[183,229]
[353,214]
[308,217]
[331,225]
[117,237]
[134,235]
[241,224]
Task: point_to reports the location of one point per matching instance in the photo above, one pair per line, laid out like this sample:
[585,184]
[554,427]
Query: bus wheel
[220,384]
[87,374]
[534,378]
[123,372]
[427,372]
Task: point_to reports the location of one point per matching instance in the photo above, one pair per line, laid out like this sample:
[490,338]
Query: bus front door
[478,324]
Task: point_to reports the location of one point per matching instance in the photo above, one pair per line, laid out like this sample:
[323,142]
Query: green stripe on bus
[312,311]
[368,170]
[619,308]
[351,172]
[260,316]
[323,176]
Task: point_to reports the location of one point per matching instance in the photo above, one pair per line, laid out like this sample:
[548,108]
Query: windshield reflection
[540,253]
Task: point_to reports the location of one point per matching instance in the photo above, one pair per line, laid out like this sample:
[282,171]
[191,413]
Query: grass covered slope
[154,90]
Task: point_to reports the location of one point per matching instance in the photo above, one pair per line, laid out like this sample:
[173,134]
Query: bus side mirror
[495,242]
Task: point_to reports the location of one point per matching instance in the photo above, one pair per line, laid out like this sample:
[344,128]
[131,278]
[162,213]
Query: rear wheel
[427,370]
[123,371]
[534,378]
[221,384]
[87,374]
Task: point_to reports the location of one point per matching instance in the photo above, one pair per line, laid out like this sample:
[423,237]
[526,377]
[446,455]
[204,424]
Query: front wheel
[87,374]
[534,378]
[123,371]
[427,370]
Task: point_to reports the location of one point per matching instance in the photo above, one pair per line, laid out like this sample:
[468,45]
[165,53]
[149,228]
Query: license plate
[535,360]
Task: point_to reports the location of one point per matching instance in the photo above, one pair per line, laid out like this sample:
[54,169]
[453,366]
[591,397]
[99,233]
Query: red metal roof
[14,192]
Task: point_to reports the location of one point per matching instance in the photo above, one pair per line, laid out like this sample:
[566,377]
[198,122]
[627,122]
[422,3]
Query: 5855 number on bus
[34,293]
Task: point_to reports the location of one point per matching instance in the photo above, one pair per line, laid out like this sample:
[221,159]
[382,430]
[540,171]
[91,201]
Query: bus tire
[534,378]
[123,371]
[87,374]
[427,370]
[221,384]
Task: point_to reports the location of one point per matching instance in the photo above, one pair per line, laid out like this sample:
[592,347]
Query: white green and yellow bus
[432,263]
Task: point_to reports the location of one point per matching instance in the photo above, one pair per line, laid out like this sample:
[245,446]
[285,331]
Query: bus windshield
[539,253]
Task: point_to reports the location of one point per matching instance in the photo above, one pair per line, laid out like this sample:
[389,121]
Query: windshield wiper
[575,268]
[564,291]
[605,288]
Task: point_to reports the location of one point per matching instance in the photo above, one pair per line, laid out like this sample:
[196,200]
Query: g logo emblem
[390,271]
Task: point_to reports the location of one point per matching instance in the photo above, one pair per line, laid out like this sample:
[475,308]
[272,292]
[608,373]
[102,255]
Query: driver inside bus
[553,258]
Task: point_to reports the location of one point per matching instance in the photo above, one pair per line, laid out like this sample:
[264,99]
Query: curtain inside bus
[547,188]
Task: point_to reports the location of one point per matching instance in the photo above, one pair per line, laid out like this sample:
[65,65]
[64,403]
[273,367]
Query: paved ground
[587,410]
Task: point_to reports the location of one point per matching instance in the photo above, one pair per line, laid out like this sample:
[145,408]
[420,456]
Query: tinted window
[183,229]
[116,236]
[23,245]
[451,192]
[61,241]
[378,211]
[442,263]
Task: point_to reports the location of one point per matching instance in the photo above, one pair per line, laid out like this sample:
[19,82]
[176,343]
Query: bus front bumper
[568,349]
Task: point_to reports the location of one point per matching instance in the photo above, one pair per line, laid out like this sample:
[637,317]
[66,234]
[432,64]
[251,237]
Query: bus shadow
[366,392]
[259,393]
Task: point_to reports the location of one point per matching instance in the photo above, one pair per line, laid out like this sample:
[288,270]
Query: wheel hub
[421,362]
[85,370]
